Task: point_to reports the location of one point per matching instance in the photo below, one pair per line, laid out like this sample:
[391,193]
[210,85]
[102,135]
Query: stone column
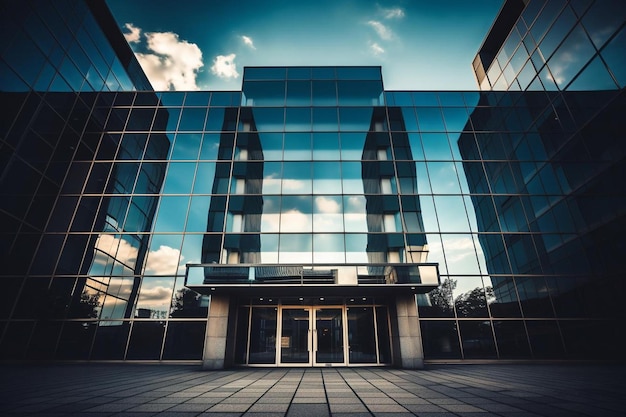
[216,332]
[409,338]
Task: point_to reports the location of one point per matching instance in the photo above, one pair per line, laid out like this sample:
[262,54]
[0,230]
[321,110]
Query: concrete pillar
[409,336]
[216,332]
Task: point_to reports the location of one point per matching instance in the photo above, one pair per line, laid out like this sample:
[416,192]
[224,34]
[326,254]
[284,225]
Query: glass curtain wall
[507,192]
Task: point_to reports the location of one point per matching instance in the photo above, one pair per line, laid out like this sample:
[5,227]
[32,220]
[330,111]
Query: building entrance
[312,336]
[328,335]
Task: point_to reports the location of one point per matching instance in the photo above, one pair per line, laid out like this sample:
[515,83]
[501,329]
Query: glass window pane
[179,178]
[477,339]
[456,119]
[184,340]
[296,214]
[110,343]
[172,98]
[352,145]
[270,218]
[298,93]
[356,248]
[75,341]
[545,338]
[217,120]
[355,214]
[264,94]
[263,336]
[327,214]
[205,176]
[297,147]
[325,119]
[512,340]
[613,54]
[299,73]
[197,98]
[296,178]
[325,145]
[603,19]
[164,255]
[359,93]
[594,77]
[438,302]
[355,119]
[324,93]
[186,146]
[436,147]
[326,178]
[154,299]
[352,180]
[264,73]
[329,248]
[269,248]
[146,340]
[362,344]
[272,177]
[269,119]
[441,340]
[295,248]
[429,119]
[469,297]
[188,303]
[298,119]
[534,298]
[192,119]
[358,73]
[575,51]
[272,146]
[323,73]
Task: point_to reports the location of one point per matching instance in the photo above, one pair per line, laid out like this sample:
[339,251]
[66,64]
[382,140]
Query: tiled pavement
[128,390]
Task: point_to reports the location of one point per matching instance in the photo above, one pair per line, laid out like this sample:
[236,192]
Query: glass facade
[313,196]
[554,46]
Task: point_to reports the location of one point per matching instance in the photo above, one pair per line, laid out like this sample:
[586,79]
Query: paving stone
[347,408]
[308,410]
[386,408]
[503,390]
[275,408]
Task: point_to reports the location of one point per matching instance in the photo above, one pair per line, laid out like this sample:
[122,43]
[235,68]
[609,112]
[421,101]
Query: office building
[313,218]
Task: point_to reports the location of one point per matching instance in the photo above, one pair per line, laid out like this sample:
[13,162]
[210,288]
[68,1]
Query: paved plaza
[125,390]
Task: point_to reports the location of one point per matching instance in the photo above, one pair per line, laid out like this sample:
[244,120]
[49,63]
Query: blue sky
[205,44]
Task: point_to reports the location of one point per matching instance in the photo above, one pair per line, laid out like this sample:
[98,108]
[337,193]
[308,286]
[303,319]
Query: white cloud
[134,35]
[248,41]
[293,185]
[109,246]
[393,13]
[155,295]
[295,221]
[169,62]
[327,205]
[376,48]
[224,66]
[383,31]
[163,261]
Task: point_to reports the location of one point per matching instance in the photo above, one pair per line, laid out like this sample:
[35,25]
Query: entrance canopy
[290,279]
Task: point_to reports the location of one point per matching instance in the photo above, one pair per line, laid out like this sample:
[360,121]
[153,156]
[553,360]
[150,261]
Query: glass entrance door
[309,335]
[312,336]
[329,336]
[295,336]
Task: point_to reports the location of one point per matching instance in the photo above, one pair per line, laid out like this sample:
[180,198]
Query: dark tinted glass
[440,339]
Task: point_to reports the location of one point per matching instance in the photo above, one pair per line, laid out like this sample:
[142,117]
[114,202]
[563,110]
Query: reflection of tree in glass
[186,303]
[89,305]
[441,297]
[473,303]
